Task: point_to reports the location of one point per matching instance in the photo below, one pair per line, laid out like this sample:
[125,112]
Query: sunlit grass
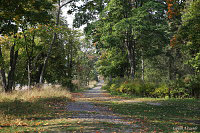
[44,92]
[171,113]
[29,109]
[38,109]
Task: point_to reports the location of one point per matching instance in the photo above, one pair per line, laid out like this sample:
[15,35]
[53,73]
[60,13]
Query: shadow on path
[84,108]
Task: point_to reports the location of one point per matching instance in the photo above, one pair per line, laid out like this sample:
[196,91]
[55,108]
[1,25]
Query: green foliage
[178,89]
[123,22]
[195,62]
[130,87]
[160,91]
[188,33]
[131,38]
[194,86]
[112,64]
[146,24]
[15,14]
[88,11]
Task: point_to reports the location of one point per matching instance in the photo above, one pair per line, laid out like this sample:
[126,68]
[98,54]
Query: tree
[133,26]
[60,5]
[188,33]
[111,64]
[14,15]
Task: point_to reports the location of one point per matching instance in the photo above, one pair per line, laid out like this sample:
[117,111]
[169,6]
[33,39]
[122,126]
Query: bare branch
[66,4]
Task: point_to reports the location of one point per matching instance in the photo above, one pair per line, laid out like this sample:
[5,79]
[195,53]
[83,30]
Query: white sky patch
[70,17]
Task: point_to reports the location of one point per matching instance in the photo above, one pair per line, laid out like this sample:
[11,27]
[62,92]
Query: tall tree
[189,33]
[133,26]
[60,5]
[14,15]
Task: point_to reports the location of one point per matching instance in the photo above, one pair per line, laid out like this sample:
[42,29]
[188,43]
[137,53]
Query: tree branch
[66,4]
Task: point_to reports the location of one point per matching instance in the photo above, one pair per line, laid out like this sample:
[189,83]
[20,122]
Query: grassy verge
[156,114]
[181,115]
[32,110]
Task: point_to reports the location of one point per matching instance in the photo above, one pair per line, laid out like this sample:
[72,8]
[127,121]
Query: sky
[70,18]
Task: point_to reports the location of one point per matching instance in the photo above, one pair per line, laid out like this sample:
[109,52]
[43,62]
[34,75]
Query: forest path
[86,108]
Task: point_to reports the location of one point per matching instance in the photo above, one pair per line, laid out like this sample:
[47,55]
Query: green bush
[134,88]
[180,88]
[126,87]
[137,88]
[179,93]
[161,91]
[106,87]
[114,87]
[193,86]
[130,87]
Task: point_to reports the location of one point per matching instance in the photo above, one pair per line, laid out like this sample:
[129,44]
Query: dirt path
[85,109]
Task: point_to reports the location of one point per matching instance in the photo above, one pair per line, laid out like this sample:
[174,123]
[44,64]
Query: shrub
[134,88]
[179,92]
[180,88]
[161,91]
[130,87]
[149,88]
[194,86]
[126,88]
[113,87]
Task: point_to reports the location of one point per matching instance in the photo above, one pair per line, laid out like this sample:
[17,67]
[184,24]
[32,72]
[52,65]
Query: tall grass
[43,92]
[27,104]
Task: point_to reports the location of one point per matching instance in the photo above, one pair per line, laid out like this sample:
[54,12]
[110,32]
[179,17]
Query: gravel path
[84,108]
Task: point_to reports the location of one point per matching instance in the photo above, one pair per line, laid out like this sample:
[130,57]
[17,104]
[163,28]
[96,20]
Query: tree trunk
[170,68]
[130,45]
[47,58]
[142,68]
[3,76]
[29,75]
[29,59]
[50,47]
[169,74]
[11,74]
[53,41]
[70,57]
[2,70]
[131,61]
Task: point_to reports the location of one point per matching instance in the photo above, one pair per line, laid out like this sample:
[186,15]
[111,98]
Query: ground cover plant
[185,88]
[32,110]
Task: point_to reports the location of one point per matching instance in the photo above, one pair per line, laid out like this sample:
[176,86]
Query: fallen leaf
[38,123]
[46,124]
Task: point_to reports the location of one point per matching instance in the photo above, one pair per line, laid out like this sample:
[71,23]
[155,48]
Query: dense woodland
[141,47]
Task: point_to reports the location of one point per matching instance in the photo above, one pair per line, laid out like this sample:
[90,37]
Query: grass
[42,110]
[182,115]
[168,115]
[32,110]
[89,126]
